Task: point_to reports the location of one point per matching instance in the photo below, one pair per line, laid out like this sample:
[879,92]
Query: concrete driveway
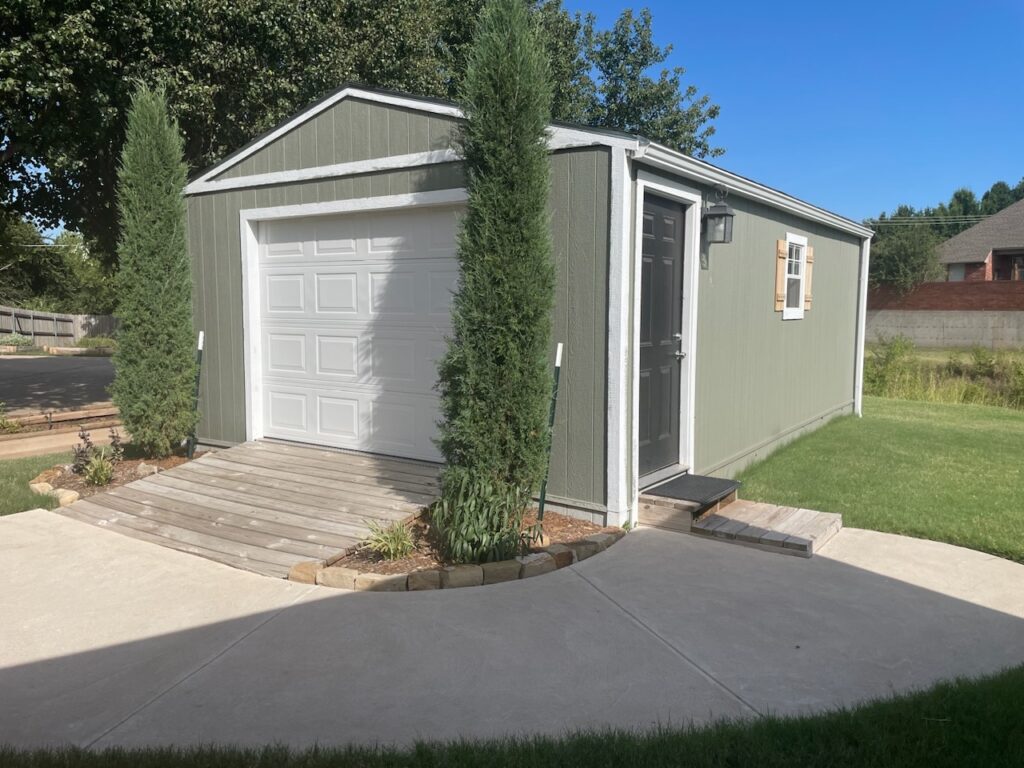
[110,641]
[42,383]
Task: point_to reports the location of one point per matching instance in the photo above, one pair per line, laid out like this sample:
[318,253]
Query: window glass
[794,270]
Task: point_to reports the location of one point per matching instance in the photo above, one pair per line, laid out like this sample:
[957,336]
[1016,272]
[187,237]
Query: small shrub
[100,469]
[82,453]
[479,519]
[116,446]
[15,340]
[983,362]
[7,426]
[1015,390]
[92,342]
[392,542]
[955,366]
[890,367]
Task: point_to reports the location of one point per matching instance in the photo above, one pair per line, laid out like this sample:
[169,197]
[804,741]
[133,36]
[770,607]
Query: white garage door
[354,311]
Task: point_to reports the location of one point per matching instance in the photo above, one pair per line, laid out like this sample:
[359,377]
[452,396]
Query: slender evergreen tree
[154,363]
[495,381]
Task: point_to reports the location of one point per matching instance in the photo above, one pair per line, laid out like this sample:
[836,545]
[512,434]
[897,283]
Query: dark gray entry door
[661,313]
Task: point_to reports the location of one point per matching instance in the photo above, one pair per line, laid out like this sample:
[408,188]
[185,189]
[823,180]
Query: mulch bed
[558,529]
[61,475]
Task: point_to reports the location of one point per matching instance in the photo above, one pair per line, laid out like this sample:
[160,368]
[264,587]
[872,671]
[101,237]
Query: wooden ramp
[786,530]
[265,506]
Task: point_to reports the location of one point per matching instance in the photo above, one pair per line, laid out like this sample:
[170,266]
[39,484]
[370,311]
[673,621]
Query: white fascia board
[676,162]
[560,137]
[373,165]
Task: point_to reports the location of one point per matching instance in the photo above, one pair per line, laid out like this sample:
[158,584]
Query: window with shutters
[794,260]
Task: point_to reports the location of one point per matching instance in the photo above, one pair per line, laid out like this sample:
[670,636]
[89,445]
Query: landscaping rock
[562,554]
[145,470]
[40,487]
[380,582]
[617,533]
[536,564]
[337,577]
[462,576]
[47,476]
[583,549]
[421,580]
[65,497]
[305,573]
[603,540]
[503,570]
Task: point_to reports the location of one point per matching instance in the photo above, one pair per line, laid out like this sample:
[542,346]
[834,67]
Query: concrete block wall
[938,328]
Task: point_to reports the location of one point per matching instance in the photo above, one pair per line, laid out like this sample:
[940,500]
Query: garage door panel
[354,313]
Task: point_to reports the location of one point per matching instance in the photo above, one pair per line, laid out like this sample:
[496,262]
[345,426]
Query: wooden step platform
[786,530]
[264,506]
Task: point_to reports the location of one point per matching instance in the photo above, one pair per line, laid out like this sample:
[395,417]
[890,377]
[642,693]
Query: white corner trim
[693,201]
[617,457]
[560,137]
[698,170]
[795,313]
[395,162]
[249,221]
[862,313]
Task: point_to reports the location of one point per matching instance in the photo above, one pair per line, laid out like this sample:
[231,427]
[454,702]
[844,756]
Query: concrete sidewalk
[111,641]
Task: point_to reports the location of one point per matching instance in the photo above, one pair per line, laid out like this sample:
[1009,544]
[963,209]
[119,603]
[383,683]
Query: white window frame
[795,313]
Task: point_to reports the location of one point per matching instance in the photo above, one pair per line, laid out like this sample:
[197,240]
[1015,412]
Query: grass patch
[896,368]
[963,723]
[950,473]
[14,476]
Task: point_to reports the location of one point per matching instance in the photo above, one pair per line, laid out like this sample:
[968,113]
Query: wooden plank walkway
[265,506]
[787,530]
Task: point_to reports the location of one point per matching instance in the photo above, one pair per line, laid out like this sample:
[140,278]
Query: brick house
[990,250]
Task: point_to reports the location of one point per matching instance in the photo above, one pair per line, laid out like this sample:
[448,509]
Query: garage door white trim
[249,221]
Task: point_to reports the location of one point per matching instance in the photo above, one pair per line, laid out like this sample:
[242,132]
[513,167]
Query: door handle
[679,355]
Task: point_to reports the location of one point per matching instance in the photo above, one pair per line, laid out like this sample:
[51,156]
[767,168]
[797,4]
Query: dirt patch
[558,529]
[125,471]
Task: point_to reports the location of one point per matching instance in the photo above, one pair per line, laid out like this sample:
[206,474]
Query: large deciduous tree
[905,258]
[154,364]
[234,68]
[495,381]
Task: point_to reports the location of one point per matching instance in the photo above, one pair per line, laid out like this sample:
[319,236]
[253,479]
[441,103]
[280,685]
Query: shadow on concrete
[659,630]
[52,383]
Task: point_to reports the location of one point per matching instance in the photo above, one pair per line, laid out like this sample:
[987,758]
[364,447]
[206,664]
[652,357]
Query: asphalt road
[44,383]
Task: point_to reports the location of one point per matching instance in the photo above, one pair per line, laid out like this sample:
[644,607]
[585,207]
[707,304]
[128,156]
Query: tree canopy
[234,68]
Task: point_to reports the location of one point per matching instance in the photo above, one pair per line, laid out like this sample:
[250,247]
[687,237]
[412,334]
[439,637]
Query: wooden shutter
[781,255]
[808,273]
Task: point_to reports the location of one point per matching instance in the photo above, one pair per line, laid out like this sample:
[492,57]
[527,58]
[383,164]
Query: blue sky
[855,106]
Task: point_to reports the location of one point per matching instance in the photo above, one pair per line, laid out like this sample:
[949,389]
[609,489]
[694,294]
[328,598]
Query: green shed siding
[762,380]
[580,221]
[351,130]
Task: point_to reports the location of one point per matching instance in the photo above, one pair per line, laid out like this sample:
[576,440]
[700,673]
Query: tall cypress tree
[495,380]
[154,364]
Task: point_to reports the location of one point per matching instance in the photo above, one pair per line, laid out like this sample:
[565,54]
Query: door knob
[679,355]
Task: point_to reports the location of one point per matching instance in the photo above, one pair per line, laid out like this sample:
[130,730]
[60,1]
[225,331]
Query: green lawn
[976,723]
[14,476]
[952,473]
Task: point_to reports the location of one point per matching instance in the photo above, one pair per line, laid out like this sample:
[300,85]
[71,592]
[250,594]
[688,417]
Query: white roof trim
[676,162]
[560,137]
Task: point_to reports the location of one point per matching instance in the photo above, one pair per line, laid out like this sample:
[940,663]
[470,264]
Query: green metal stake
[195,395]
[551,430]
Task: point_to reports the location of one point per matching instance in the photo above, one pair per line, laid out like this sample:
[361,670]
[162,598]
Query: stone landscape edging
[551,558]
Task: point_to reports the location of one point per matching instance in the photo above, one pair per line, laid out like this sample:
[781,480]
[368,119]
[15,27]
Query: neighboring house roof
[1000,230]
[563,135]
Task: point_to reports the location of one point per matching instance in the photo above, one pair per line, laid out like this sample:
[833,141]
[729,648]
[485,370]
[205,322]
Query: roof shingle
[1000,230]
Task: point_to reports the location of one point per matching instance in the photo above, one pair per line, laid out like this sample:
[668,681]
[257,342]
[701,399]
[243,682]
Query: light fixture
[718,219]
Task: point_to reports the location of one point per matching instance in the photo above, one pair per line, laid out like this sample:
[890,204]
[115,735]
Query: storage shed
[323,255]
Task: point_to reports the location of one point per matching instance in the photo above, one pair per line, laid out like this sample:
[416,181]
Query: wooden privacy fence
[53,328]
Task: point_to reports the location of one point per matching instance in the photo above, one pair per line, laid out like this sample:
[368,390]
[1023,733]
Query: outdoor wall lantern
[718,219]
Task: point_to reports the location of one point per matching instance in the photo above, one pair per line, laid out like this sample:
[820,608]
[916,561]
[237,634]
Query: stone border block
[423,580]
[337,576]
[305,573]
[382,582]
[536,564]
[502,570]
[562,554]
[458,576]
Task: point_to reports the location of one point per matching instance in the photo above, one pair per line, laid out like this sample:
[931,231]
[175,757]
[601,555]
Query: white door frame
[249,221]
[693,200]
